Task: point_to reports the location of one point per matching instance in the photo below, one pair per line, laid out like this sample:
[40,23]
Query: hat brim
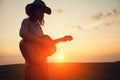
[47,10]
[31,6]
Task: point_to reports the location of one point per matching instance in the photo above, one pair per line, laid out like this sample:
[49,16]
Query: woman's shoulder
[25,21]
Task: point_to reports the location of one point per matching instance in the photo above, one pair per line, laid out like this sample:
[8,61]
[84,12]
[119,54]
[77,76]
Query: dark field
[68,71]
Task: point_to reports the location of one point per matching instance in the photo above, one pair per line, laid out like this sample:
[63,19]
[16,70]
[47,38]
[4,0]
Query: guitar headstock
[67,38]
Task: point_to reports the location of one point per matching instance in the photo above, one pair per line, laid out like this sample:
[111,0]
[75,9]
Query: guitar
[50,48]
[46,49]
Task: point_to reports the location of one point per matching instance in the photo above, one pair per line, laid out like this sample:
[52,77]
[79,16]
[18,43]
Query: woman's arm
[63,39]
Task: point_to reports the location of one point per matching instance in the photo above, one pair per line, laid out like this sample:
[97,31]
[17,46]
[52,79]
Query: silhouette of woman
[30,31]
[31,43]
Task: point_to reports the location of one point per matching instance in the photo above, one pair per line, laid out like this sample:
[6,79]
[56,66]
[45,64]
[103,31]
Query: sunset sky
[94,25]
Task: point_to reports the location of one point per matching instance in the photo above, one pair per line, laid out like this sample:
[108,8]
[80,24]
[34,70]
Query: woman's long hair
[32,14]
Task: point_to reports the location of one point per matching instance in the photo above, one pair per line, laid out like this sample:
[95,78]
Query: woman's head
[36,10]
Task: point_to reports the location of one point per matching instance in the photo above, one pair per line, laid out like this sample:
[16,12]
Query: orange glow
[60,57]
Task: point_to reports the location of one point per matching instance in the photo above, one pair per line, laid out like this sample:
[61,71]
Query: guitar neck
[57,40]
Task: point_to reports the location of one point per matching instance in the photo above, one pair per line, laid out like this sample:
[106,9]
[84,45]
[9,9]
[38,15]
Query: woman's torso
[36,31]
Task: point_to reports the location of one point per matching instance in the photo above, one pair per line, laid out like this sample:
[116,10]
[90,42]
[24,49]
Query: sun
[60,57]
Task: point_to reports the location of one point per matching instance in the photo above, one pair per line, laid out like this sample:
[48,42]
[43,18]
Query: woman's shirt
[32,28]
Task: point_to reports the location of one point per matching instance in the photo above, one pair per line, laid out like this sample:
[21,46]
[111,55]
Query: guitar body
[48,49]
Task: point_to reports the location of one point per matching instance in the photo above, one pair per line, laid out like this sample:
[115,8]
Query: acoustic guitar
[50,48]
[46,49]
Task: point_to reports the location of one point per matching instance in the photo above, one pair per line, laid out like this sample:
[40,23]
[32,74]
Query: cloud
[106,19]
[76,28]
[79,28]
[101,20]
[113,13]
[59,11]
[97,16]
